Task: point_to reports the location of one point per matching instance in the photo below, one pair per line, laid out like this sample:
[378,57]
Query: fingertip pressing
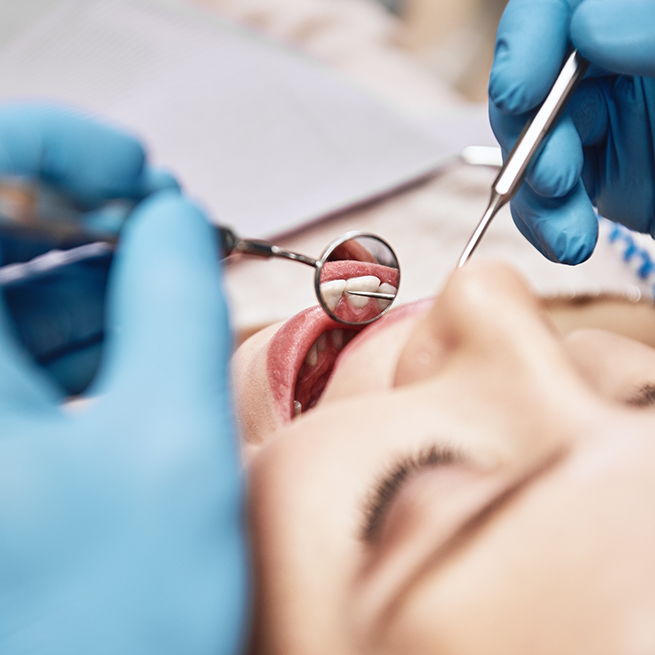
[565,230]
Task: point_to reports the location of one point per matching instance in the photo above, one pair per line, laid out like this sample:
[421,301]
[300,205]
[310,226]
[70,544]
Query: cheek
[566,568]
[614,366]
[256,410]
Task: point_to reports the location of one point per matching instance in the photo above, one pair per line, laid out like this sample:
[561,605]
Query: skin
[553,477]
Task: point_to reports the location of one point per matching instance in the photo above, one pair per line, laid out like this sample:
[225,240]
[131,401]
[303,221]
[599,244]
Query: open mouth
[303,353]
[315,371]
[301,358]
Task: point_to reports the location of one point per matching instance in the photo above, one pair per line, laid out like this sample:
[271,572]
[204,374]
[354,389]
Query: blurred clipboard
[267,138]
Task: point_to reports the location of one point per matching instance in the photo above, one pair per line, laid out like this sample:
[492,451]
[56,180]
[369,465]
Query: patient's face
[468,482]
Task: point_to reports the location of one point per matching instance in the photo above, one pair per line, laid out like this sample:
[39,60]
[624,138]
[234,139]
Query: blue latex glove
[60,317]
[121,526]
[603,149]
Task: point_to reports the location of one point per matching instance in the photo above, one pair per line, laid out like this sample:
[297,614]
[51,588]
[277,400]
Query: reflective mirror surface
[357,278]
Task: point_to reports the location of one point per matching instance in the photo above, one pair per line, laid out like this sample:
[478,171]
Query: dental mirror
[357,278]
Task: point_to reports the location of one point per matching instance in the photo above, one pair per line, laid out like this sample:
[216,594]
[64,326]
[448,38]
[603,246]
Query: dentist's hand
[60,317]
[603,149]
[121,523]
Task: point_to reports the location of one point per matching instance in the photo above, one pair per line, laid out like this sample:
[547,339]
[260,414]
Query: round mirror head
[357,278]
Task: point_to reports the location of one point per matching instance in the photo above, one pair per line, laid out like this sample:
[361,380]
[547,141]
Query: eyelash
[388,487]
[645,397]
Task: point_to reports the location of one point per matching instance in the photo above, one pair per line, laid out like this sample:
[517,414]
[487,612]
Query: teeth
[364,283]
[321,342]
[297,408]
[385,288]
[336,336]
[332,292]
[312,356]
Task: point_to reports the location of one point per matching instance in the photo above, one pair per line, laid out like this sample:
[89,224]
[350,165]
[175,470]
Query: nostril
[479,311]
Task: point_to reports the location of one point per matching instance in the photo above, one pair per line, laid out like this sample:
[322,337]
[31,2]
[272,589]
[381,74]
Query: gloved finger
[559,165]
[155,179]
[167,326]
[109,218]
[531,43]
[564,229]
[619,165]
[616,34]
[81,157]
[589,112]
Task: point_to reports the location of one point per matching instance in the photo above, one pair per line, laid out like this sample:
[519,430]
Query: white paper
[265,137]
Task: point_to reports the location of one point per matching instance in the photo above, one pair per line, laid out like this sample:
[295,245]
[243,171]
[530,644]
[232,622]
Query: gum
[345,269]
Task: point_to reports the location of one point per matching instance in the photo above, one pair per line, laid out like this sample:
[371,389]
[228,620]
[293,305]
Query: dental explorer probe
[513,171]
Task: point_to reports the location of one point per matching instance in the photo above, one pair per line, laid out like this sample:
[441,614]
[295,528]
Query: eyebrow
[387,489]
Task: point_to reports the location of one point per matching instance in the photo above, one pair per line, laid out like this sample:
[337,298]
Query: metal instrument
[514,169]
[356,278]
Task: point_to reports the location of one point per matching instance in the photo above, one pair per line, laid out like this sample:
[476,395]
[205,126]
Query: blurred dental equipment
[356,277]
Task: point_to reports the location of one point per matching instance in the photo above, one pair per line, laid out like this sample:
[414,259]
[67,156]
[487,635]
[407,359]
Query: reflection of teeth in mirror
[312,356]
[336,336]
[332,292]
[383,303]
[364,283]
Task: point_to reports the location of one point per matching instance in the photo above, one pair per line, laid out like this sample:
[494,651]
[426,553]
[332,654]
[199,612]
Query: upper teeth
[334,289]
[364,283]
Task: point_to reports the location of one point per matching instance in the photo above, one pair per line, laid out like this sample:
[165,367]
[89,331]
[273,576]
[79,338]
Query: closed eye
[384,492]
[644,397]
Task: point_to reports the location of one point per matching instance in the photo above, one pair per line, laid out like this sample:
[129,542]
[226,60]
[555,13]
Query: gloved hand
[121,522]
[60,317]
[603,149]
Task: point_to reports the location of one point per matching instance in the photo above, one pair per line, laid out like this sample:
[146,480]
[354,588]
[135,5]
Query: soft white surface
[265,136]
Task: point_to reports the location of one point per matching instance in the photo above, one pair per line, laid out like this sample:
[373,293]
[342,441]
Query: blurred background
[453,38]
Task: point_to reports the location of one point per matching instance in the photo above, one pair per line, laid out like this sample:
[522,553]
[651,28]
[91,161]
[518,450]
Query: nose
[488,354]
[486,314]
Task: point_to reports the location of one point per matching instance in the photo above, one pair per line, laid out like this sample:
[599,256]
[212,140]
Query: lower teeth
[297,408]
